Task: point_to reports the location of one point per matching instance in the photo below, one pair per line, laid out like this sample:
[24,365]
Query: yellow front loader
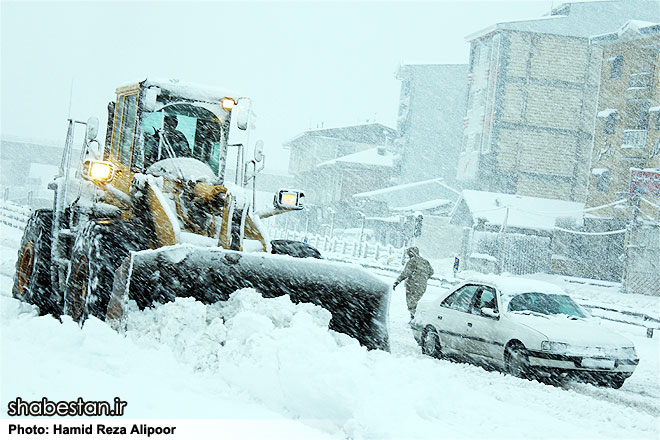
[150,217]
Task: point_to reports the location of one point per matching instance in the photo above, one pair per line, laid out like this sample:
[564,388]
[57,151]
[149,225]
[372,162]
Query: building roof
[580,19]
[424,206]
[390,189]
[370,157]
[524,212]
[631,29]
[366,133]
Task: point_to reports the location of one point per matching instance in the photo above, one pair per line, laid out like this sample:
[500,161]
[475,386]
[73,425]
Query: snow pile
[283,356]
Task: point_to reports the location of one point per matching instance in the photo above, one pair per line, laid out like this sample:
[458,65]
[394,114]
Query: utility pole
[502,238]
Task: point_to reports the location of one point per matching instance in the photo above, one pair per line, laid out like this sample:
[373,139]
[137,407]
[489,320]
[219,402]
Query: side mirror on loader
[92,129]
[242,113]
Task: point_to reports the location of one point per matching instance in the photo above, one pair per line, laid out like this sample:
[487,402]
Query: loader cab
[154,122]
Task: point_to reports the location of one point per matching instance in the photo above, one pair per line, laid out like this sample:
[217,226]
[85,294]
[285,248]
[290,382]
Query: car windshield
[183,130]
[546,304]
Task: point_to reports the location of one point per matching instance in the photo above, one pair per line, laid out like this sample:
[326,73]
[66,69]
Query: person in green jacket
[416,273]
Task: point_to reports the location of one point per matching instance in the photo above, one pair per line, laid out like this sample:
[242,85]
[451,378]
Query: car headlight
[628,352]
[554,347]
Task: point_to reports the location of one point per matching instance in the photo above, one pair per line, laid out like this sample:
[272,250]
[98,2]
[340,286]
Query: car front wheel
[431,343]
[517,361]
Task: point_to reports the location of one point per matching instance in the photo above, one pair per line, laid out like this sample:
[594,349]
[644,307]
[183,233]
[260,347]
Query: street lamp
[364,220]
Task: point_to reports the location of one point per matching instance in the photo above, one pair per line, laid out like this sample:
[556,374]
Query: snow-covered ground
[269,359]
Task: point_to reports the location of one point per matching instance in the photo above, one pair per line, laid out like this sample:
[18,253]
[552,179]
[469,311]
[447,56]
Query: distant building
[315,147]
[626,152]
[532,99]
[627,127]
[26,168]
[430,121]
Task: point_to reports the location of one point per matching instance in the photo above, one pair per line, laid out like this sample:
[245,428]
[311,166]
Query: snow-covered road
[271,359]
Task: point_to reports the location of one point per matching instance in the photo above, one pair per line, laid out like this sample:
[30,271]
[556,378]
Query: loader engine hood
[184,168]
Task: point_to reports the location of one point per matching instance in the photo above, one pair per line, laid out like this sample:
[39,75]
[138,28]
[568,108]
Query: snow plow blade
[357,300]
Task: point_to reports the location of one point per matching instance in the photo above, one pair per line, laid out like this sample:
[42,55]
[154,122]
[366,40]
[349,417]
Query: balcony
[634,139]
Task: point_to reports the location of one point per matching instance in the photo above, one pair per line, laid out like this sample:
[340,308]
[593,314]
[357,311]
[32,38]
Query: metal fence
[351,249]
[515,253]
[14,215]
[642,274]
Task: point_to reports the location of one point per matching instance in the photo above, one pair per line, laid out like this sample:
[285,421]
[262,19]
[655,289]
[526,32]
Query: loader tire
[97,253]
[32,283]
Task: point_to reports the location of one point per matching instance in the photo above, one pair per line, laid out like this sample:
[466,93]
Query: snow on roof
[190,90]
[655,109]
[389,189]
[580,19]
[631,27]
[430,204]
[606,112]
[524,212]
[369,133]
[369,157]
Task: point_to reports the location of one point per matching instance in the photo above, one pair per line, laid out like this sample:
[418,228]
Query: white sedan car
[527,328]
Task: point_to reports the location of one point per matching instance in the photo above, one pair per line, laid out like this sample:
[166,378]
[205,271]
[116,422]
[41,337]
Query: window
[116,126]
[486,299]
[602,176]
[545,304]
[127,129]
[610,124]
[616,66]
[461,299]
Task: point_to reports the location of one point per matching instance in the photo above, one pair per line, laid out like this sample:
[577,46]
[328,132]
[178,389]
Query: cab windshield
[545,304]
[183,130]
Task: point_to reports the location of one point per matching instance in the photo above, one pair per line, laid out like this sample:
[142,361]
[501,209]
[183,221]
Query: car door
[451,322]
[485,333]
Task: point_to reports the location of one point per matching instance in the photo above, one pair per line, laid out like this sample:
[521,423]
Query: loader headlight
[99,171]
[228,103]
[289,199]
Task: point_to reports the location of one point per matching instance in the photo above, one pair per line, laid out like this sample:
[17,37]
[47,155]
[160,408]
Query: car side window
[461,299]
[486,298]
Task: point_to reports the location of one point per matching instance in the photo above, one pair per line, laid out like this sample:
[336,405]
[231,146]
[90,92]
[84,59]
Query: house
[532,100]
[430,120]
[315,147]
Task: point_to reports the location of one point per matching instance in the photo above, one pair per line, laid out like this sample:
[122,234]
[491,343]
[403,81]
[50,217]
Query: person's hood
[413,251]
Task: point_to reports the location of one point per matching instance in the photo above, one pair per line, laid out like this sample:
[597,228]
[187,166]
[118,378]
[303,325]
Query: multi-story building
[627,127]
[429,127]
[532,99]
[625,164]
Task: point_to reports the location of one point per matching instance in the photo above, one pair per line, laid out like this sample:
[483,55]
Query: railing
[13,215]
[347,249]
[634,138]
[640,80]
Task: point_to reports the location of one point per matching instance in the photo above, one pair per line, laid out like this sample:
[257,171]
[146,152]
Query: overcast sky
[302,63]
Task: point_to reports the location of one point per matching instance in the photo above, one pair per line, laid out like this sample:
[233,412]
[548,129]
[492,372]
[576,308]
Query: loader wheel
[32,278]
[97,252]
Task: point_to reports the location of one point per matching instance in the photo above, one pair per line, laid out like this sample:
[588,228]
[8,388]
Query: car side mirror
[491,313]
